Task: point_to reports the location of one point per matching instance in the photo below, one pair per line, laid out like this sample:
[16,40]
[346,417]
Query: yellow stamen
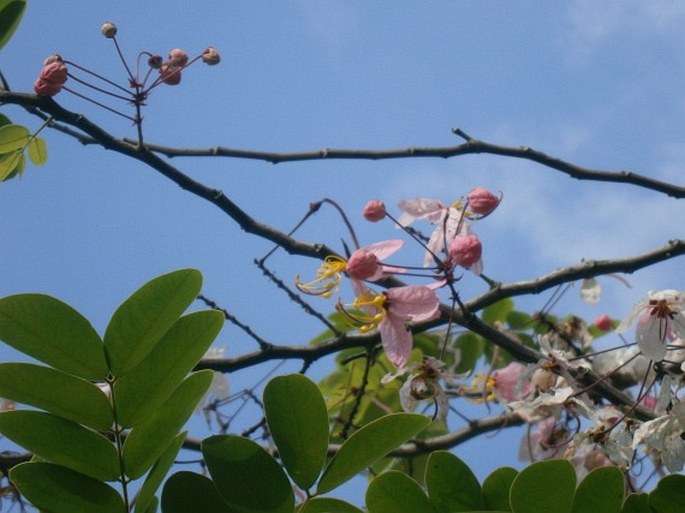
[483,385]
[366,312]
[328,278]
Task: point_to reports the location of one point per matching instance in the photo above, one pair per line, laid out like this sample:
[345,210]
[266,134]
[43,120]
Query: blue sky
[596,83]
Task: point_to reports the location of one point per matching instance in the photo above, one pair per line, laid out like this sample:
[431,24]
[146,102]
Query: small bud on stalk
[108,29]
[210,56]
[374,211]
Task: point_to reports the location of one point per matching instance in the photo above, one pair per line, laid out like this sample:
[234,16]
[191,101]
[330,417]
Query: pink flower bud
[362,265]
[604,322]
[178,57]
[171,74]
[211,56]
[374,211]
[466,250]
[482,201]
[108,29]
[155,61]
[51,78]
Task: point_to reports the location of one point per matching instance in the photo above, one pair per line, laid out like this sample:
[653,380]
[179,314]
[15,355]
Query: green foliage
[368,445]
[14,140]
[79,438]
[11,12]
[669,495]
[60,490]
[246,476]
[544,487]
[601,490]
[298,421]
[396,492]
[141,321]
[451,485]
[187,491]
[496,488]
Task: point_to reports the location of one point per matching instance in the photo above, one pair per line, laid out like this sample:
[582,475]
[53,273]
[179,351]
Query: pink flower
[466,251]
[390,312]
[508,384]
[374,211]
[363,264]
[415,303]
[52,77]
[604,322]
[482,201]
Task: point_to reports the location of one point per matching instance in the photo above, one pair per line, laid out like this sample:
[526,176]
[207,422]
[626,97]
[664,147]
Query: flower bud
[171,75]
[108,29]
[374,211]
[178,57]
[604,322]
[51,78]
[211,56]
[362,265]
[155,61]
[466,250]
[482,201]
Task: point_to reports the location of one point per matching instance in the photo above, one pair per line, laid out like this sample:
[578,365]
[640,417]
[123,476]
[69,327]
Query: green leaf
[601,490]
[395,492]
[451,484]
[247,477]
[146,442]
[496,488]
[143,319]
[11,12]
[37,151]
[470,348]
[368,445]
[544,487]
[4,120]
[637,503]
[10,163]
[328,505]
[498,312]
[61,490]
[153,506]
[54,333]
[669,495]
[186,491]
[13,137]
[62,442]
[519,320]
[140,392]
[57,392]
[146,495]
[298,421]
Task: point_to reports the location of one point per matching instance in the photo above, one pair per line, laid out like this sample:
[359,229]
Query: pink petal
[396,339]
[414,302]
[420,208]
[385,248]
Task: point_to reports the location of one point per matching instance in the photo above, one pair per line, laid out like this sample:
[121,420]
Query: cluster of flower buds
[54,74]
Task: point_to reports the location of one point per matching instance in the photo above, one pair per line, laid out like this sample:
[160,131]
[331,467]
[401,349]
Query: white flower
[590,291]
[663,436]
[661,318]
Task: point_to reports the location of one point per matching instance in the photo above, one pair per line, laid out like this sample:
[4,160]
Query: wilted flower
[170,74]
[52,77]
[211,56]
[155,61]
[590,291]
[390,312]
[374,211]
[661,318]
[482,201]
[108,29]
[424,385]
[178,57]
